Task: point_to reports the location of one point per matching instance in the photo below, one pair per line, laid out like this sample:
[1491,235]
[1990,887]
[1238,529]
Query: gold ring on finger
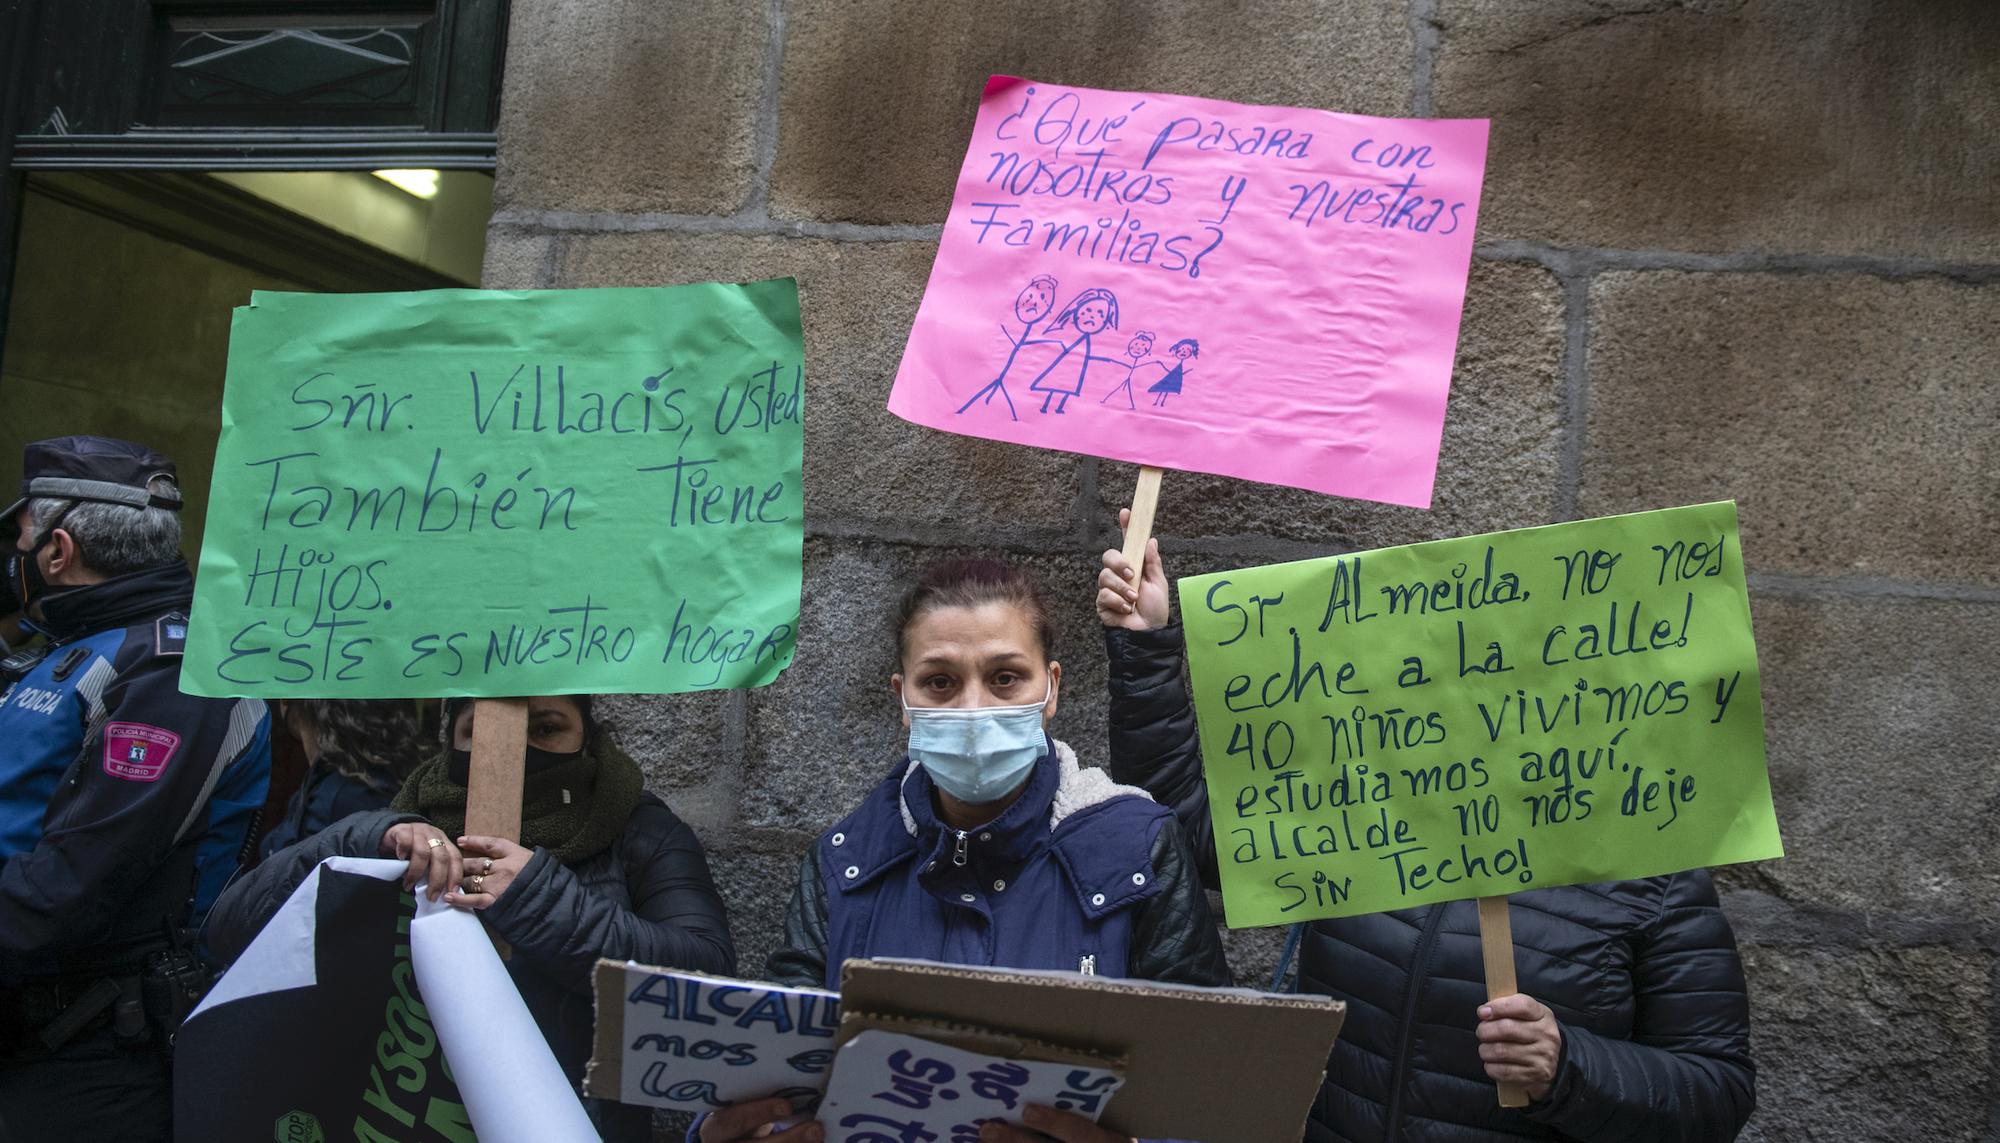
[436,841]
[478,883]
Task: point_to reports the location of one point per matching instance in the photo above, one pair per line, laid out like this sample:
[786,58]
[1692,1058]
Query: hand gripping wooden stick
[499,758]
[493,781]
[1496,942]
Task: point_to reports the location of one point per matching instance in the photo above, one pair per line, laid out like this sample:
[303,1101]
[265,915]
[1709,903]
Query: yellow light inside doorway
[423,184]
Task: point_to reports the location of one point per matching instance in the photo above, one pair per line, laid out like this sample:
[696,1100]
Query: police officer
[125,805]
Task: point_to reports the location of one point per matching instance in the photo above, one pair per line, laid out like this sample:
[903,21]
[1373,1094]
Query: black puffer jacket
[1642,975]
[325,795]
[648,897]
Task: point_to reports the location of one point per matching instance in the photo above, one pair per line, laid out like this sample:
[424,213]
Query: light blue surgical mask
[977,754]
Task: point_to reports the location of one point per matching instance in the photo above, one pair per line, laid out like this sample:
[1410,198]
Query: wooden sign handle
[1139,529]
[499,763]
[493,781]
[1496,943]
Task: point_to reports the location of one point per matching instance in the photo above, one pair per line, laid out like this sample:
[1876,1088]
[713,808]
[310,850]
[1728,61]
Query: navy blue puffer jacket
[325,795]
[1077,874]
[1643,977]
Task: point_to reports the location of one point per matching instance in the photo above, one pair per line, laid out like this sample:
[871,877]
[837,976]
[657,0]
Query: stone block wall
[1728,248]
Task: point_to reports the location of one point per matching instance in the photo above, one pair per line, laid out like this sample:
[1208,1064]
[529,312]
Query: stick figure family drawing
[1086,317]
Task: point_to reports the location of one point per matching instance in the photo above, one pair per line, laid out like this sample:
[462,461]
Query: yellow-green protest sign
[1479,716]
[468,492]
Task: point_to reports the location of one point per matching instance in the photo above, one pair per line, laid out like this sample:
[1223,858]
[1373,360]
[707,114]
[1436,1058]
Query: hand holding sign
[491,865]
[434,862]
[765,1120]
[1520,1043]
[1126,598]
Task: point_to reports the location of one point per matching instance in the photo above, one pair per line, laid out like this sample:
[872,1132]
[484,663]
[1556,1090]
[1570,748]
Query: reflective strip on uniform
[243,720]
[91,688]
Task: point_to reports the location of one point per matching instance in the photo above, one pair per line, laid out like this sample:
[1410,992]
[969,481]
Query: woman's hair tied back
[972,582]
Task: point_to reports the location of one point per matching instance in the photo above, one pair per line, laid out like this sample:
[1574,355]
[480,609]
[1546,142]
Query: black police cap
[97,469]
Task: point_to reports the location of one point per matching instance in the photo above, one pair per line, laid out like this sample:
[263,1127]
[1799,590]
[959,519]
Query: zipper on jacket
[958,851]
[1392,1121]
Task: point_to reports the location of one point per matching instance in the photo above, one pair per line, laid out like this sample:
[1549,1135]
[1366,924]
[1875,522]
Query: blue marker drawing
[1037,298]
[1186,349]
[1092,311]
[1138,349]
[656,1084]
[812,1062]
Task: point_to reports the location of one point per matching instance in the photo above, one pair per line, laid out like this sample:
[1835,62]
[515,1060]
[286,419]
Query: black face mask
[10,595]
[24,572]
[24,579]
[460,766]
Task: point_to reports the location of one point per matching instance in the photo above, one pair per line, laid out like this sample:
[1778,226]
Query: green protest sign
[466,492]
[1479,716]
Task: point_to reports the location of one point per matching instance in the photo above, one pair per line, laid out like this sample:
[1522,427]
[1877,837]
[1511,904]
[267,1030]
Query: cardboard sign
[697,1043]
[891,1086]
[463,492]
[1474,717]
[1269,293]
[1190,1054]
[360,1012]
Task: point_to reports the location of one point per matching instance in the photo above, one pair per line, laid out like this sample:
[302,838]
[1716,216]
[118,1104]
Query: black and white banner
[342,1021]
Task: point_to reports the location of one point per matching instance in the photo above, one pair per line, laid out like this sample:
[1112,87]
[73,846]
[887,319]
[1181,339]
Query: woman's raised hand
[431,855]
[491,864]
[1123,600]
[756,1120]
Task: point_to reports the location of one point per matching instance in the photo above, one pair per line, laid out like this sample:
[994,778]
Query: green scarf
[574,810]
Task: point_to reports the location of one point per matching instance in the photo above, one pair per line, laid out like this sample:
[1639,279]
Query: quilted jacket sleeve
[1173,935]
[1153,741]
[802,961]
[676,920]
[1686,1074]
[254,897]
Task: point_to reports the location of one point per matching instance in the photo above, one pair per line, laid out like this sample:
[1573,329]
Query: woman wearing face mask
[988,843]
[603,869]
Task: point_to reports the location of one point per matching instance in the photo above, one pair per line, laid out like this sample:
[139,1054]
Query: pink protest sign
[1269,293]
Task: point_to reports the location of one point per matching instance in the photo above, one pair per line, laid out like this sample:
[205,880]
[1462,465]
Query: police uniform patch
[137,752]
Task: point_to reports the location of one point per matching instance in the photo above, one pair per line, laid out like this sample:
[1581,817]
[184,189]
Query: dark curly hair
[972,583]
[375,740]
